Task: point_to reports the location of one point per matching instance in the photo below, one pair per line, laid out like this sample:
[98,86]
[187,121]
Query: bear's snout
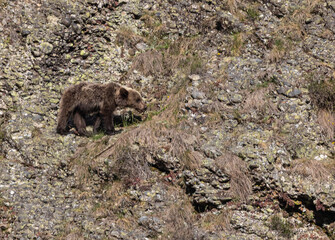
[142,107]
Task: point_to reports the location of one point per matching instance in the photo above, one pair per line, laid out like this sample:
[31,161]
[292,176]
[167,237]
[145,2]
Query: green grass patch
[237,44]
[98,136]
[279,43]
[253,13]
[267,82]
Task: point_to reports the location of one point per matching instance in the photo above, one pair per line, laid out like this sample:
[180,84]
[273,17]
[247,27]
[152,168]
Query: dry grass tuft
[317,171]
[232,5]
[237,170]
[294,30]
[192,160]
[150,62]
[237,43]
[259,103]
[276,54]
[180,219]
[168,57]
[181,54]
[293,25]
[216,222]
[70,232]
[326,120]
[256,101]
[127,37]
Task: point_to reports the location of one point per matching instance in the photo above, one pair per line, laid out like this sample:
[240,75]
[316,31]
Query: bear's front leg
[97,124]
[108,120]
[109,129]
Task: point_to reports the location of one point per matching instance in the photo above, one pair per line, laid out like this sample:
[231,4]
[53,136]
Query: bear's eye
[138,100]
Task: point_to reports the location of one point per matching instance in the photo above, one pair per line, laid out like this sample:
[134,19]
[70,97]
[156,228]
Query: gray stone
[236,98]
[142,46]
[46,47]
[198,95]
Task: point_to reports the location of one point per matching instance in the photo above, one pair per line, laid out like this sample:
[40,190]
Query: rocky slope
[237,142]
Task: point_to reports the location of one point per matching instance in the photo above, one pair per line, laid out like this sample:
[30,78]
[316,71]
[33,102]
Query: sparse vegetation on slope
[237,141]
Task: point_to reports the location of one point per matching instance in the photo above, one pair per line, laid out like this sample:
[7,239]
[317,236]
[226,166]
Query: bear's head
[127,97]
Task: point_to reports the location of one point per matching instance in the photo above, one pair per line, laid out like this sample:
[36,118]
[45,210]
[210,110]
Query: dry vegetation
[326,120]
[279,48]
[70,232]
[237,170]
[216,221]
[292,25]
[291,28]
[127,37]
[316,170]
[167,57]
[164,56]
[148,63]
[237,43]
[278,223]
[322,92]
[258,102]
[232,5]
[180,221]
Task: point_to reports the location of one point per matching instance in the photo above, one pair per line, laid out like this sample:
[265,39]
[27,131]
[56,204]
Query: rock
[66,21]
[205,194]
[142,46]
[222,98]
[84,54]
[236,98]
[212,152]
[198,95]
[3,105]
[46,47]
[25,33]
[194,77]
[36,52]
[290,92]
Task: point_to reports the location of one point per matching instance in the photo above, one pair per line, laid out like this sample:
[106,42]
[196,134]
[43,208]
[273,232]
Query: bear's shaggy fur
[83,99]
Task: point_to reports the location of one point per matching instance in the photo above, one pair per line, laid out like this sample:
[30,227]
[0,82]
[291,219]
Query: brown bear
[84,99]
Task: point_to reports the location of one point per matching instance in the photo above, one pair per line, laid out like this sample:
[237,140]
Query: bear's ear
[123,93]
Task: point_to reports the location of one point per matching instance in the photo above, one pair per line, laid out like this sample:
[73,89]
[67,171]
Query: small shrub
[279,224]
[279,43]
[237,44]
[322,94]
[253,13]
[279,49]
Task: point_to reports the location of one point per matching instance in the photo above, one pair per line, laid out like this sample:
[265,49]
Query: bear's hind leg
[62,122]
